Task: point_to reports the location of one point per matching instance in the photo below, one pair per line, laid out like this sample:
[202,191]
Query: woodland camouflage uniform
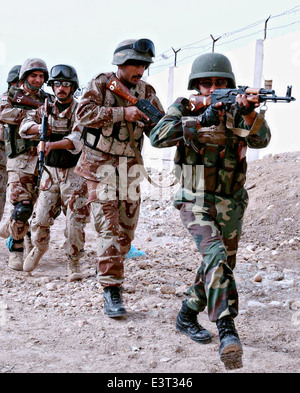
[211,200]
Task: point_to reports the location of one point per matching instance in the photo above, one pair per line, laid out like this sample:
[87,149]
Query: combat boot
[187,323]
[15,260]
[73,268]
[28,246]
[230,347]
[33,258]
[113,306]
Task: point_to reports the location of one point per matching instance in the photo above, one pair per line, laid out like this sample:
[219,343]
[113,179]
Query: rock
[258,277]
[255,303]
[168,289]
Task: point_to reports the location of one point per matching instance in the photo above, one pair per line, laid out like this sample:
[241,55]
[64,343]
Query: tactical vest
[60,128]
[221,152]
[113,138]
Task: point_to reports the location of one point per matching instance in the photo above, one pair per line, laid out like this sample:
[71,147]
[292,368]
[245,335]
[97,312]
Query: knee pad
[22,211]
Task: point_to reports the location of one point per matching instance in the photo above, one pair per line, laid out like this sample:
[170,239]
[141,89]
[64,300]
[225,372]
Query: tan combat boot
[73,268]
[28,246]
[15,260]
[33,258]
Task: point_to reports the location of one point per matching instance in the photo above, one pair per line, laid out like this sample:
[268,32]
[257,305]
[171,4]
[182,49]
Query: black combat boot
[230,347]
[113,306]
[187,323]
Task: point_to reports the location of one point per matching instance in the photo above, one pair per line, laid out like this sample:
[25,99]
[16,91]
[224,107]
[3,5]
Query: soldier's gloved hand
[244,110]
[243,106]
[210,117]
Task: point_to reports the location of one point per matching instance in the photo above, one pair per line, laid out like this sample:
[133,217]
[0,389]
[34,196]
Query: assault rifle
[228,96]
[22,101]
[43,137]
[117,87]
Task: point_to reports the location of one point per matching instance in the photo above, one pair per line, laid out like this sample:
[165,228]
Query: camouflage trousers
[114,220]
[67,192]
[216,227]
[3,179]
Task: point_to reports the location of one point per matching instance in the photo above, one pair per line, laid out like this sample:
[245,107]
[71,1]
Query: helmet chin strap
[31,87]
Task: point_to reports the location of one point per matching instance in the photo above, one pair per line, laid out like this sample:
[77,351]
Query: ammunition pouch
[14,144]
[91,137]
[61,158]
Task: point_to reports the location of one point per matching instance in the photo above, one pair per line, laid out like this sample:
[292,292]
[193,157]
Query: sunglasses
[217,82]
[63,83]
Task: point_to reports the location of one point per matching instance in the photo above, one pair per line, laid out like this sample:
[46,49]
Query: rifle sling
[139,159]
[258,122]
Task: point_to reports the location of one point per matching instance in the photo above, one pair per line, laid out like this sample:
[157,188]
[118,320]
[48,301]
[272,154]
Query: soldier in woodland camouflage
[61,188]
[211,165]
[21,156]
[12,80]
[108,158]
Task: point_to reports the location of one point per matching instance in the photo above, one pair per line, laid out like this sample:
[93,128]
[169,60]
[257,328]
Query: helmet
[64,72]
[141,50]
[211,65]
[13,75]
[31,65]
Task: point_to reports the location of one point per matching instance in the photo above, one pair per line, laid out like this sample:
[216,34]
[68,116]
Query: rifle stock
[117,87]
[22,101]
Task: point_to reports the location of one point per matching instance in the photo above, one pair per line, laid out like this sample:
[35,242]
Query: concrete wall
[280,63]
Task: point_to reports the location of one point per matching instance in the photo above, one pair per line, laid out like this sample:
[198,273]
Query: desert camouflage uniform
[212,200]
[106,155]
[22,170]
[3,172]
[60,187]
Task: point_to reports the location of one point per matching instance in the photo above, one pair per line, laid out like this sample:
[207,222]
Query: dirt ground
[51,326]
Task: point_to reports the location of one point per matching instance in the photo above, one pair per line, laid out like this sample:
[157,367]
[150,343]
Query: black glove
[210,117]
[244,111]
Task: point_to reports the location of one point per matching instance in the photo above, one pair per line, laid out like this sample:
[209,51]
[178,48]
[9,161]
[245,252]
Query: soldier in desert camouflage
[107,149]
[61,188]
[21,155]
[12,80]
[211,164]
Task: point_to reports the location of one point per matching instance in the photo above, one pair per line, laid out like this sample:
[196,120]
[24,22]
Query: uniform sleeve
[91,112]
[259,140]
[168,131]
[32,118]
[75,138]
[10,114]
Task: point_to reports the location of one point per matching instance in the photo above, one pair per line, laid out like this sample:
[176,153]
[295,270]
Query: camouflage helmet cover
[33,64]
[211,65]
[121,55]
[13,75]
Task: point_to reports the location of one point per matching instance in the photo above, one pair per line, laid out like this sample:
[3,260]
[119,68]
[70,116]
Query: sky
[85,33]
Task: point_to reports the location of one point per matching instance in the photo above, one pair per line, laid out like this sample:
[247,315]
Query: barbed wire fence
[254,30]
